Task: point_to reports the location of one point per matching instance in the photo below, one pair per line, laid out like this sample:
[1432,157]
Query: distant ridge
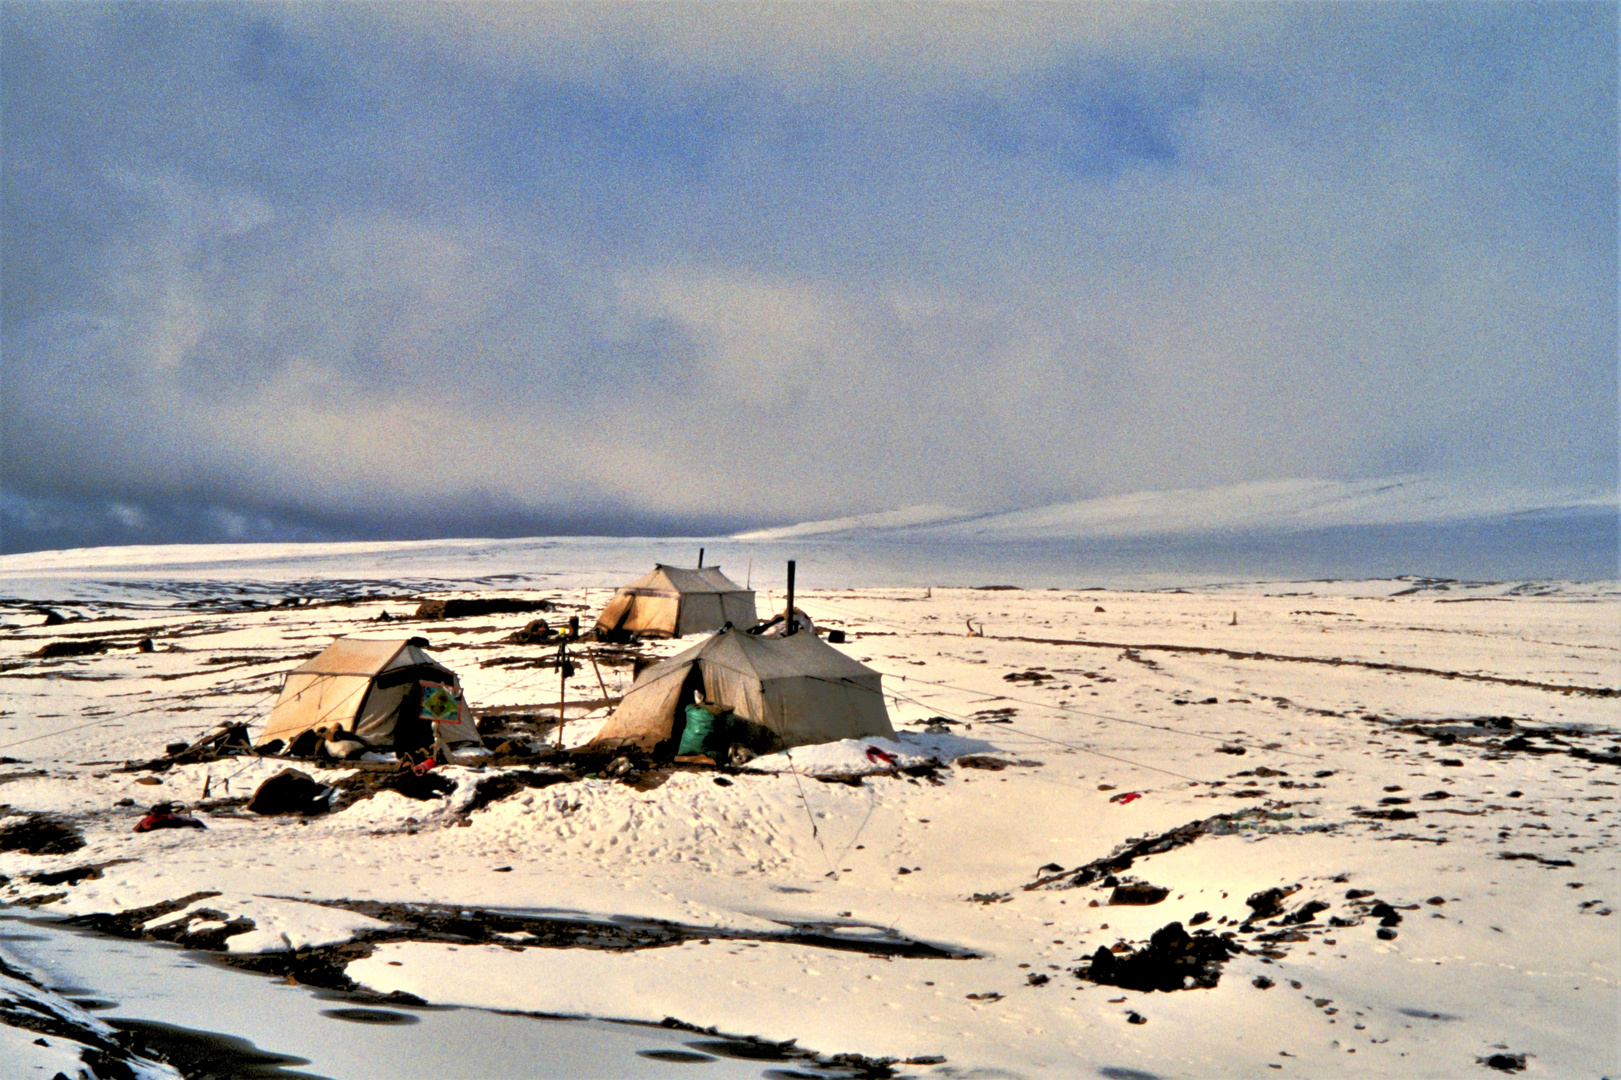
[1259,507]
[911,517]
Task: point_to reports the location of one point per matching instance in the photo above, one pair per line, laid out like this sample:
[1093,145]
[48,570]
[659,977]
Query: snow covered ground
[1451,748]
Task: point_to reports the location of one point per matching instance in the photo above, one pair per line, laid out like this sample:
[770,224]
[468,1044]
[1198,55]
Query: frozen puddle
[207,1017]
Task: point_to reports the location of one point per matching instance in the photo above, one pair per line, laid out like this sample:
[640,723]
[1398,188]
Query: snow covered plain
[1449,747]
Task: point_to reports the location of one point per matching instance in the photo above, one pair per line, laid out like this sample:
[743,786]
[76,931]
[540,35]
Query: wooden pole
[789,615]
[562,690]
[603,685]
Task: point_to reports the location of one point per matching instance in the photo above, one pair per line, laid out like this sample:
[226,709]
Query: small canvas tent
[673,601]
[385,694]
[800,687]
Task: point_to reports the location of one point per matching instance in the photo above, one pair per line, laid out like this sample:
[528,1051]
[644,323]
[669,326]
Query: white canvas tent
[673,601]
[372,690]
[800,687]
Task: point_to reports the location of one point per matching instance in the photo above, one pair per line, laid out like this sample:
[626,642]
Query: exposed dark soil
[472,608]
[1386,815]
[1504,1062]
[1503,736]
[993,764]
[1532,857]
[129,923]
[437,922]
[1137,894]
[489,789]
[363,785]
[1172,960]
[846,1066]
[1121,860]
[70,876]
[53,650]
[41,834]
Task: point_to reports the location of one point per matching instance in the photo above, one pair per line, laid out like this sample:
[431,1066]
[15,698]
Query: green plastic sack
[700,723]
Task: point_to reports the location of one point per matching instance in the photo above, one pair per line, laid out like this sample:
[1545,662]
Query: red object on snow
[877,756]
[422,768]
[1125,797]
[168,821]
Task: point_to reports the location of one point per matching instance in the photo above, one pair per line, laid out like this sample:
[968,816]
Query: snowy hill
[911,517]
[1265,506]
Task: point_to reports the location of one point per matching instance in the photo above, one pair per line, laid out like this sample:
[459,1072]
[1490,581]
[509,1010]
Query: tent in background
[800,687]
[674,602]
[381,693]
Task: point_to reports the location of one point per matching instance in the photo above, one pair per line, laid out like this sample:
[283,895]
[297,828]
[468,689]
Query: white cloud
[780,262]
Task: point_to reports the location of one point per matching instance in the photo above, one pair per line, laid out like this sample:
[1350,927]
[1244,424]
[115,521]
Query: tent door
[380,716]
[392,716]
[692,684]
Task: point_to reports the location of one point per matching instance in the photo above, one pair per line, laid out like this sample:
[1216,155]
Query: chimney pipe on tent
[700,558]
[792,626]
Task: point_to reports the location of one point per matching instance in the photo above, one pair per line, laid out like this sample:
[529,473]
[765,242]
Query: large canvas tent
[373,691]
[673,601]
[800,687]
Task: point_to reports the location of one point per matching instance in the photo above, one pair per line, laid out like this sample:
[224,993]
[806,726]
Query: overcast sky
[387,270]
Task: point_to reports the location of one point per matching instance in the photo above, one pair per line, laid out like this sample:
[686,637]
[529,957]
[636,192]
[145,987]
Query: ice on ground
[42,1033]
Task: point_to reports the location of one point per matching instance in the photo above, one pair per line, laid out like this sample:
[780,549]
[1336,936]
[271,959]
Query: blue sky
[357,270]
